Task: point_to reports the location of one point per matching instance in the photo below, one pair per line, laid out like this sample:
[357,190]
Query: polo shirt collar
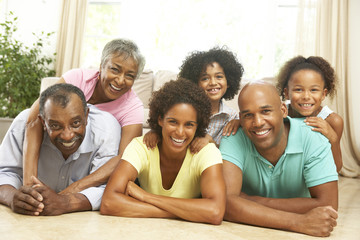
[293,146]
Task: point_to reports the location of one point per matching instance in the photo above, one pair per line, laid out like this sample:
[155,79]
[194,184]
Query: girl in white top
[174,183]
[305,82]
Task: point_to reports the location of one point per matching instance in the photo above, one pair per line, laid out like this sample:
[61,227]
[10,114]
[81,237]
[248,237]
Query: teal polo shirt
[306,162]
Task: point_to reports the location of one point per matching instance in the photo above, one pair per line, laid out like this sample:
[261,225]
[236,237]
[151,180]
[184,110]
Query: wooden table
[92,225]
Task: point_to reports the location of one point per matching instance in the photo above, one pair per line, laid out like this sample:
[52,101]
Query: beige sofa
[148,82]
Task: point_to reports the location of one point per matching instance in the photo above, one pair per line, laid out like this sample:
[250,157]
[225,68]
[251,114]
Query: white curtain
[70,35]
[322,30]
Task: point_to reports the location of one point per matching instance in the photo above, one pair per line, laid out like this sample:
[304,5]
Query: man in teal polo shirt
[278,172]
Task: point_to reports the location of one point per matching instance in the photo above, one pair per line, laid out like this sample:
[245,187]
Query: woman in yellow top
[174,183]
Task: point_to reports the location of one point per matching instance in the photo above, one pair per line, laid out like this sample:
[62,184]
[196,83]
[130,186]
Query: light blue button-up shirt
[100,144]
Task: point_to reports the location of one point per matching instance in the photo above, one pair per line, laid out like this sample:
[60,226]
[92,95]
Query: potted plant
[21,71]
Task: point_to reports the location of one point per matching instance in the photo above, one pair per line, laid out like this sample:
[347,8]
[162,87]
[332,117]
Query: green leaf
[21,69]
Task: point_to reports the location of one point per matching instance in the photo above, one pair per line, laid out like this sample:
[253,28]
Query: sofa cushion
[47,82]
[146,117]
[143,86]
[163,76]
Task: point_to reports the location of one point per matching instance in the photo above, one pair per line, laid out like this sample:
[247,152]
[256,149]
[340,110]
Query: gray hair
[123,46]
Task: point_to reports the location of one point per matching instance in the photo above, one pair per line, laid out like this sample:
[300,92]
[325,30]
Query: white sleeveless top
[325,112]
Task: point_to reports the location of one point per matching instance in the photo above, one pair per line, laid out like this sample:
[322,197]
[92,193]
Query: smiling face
[261,118]
[178,128]
[306,92]
[213,81]
[65,126]
[117,77]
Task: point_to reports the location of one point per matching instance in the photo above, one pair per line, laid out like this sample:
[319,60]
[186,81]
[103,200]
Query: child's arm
[231,127]
[199,142]
[332,129]
[151,139]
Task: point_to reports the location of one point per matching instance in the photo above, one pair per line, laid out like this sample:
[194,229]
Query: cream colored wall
[354,66]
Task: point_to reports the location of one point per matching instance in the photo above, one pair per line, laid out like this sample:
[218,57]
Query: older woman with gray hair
[109,89]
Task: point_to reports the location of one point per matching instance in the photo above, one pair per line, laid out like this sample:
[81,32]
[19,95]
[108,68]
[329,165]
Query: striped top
[219,120]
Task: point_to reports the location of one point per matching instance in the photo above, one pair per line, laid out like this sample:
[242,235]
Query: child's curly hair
[317,64]
[196,62]
[175,92]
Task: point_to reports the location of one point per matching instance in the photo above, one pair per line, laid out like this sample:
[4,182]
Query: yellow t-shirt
[187,182]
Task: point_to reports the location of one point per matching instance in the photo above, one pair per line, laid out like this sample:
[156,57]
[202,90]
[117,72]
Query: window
[260,32]
[103,23]
[46,19]
[3,9]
